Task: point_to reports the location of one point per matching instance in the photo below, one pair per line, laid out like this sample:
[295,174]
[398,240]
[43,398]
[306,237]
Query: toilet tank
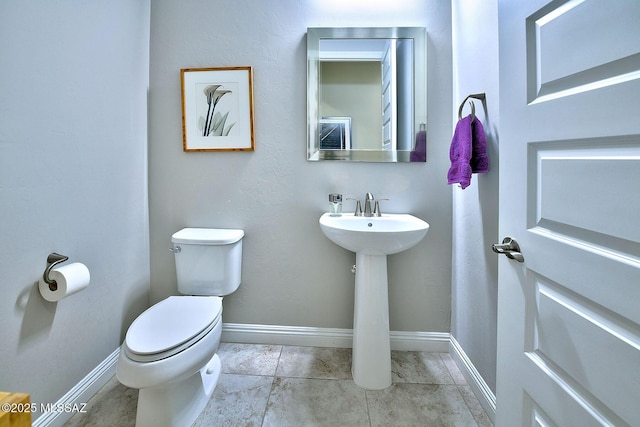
[208,260]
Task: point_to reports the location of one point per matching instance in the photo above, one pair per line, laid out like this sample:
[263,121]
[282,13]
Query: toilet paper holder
[52,260]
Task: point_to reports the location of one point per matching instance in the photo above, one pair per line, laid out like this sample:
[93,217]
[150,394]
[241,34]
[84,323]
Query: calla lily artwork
[213,124]
[217,109]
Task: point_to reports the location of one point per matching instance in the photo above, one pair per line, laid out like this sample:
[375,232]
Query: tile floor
[274,385]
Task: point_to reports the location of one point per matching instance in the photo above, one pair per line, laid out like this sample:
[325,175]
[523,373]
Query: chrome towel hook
[479,96]
[52,260]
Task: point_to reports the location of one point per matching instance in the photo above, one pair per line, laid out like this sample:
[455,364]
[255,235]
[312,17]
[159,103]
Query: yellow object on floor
[15,410]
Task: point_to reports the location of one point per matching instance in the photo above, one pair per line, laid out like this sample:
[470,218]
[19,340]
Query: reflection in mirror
[366,94]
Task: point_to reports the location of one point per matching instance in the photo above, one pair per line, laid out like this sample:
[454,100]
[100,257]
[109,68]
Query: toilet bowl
[169,352]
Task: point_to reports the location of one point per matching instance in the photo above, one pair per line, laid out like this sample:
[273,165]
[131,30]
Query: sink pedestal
[372,239]
[371,359]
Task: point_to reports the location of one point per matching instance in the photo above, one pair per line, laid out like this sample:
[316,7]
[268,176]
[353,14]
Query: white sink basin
[384,235]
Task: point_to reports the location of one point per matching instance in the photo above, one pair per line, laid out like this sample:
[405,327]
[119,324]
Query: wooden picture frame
[217,109]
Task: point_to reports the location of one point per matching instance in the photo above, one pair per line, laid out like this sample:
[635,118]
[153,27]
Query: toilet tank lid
[207,236]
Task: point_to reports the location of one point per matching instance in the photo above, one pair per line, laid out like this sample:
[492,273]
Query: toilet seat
[171,326]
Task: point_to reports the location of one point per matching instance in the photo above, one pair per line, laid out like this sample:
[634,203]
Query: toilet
[169,352]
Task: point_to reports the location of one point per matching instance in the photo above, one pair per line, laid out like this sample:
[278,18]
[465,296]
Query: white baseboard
[328,337]
[80,393]
[485,396]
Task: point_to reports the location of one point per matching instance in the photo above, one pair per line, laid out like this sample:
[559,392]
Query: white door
[569,315]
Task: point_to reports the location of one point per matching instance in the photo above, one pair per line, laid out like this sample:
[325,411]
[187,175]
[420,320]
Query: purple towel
[460,154]
[479,159]
[468,152]
[419,153]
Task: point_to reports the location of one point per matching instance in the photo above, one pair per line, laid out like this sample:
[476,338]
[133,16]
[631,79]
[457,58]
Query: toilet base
[178,403]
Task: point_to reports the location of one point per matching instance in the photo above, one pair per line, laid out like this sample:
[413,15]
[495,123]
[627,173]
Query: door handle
[508,247]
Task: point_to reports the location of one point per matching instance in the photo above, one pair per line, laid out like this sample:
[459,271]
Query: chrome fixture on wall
[52,260]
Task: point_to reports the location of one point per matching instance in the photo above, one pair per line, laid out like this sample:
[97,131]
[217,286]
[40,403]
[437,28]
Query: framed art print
[217,109]
[335,133]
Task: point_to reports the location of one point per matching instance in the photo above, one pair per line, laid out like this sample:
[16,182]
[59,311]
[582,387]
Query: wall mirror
[366,94]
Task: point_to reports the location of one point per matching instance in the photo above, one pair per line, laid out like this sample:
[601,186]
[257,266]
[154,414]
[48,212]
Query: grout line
[366,402]
[275,372]
[446,365]
[273,384]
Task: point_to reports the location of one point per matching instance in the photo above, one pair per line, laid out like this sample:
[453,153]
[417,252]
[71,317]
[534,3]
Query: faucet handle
[358,211]
[376,209]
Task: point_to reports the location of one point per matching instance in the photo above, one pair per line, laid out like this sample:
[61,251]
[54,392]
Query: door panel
[579,45]
[568,317]
[572,336]
[389,114]
[587,176]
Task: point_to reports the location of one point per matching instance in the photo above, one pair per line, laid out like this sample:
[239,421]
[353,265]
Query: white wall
[475,209]
[292,274]
[73,179]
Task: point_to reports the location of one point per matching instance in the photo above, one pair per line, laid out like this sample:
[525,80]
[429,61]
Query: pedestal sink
[372,239]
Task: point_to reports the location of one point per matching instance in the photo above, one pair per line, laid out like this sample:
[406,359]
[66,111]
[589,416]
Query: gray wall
[293,275]
[73,179]
[475,209]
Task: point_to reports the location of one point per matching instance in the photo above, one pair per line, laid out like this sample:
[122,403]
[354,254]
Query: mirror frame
[314,35]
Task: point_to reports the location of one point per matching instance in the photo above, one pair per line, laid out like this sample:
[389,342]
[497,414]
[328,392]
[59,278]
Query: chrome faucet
[368,198]
[368,211]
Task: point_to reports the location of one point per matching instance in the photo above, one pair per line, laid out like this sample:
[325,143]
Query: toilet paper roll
[70,278]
